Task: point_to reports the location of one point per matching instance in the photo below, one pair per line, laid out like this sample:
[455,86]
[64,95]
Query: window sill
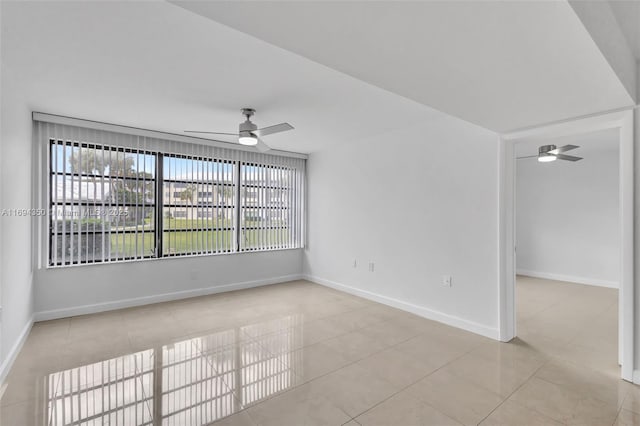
[155,259]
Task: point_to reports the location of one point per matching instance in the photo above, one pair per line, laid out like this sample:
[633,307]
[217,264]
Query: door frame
[623,121]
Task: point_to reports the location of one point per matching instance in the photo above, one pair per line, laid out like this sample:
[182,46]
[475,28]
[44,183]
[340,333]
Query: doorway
[622,123]
[568,248]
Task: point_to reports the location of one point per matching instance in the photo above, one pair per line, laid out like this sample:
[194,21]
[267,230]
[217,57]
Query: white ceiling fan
[547,153]
[249,134]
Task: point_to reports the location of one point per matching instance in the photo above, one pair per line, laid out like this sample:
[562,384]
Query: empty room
[319,213]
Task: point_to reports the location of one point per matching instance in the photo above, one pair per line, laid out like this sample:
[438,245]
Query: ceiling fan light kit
[249,134]
[546,158]
[247,138]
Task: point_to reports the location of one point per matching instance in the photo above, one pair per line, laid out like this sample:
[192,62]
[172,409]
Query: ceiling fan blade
[528,156]
[261,146]
[282,127]
[211,133]
[563,149]
[567,157]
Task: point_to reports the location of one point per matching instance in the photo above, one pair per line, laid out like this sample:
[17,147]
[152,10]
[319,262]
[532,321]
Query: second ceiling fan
[248,132]
[547,153]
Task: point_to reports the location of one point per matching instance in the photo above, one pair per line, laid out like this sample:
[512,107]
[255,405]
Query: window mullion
[159,193]
[238,184]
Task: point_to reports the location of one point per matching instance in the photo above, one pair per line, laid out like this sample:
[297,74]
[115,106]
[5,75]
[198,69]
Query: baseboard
[166,297]
[636,377]
[5,367]
[492,333]
[568,278]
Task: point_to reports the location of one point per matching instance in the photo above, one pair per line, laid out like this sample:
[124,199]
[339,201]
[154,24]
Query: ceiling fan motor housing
[546,148]
[247,126]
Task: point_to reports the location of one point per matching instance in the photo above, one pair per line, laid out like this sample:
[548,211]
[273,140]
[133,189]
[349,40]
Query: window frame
[238,211]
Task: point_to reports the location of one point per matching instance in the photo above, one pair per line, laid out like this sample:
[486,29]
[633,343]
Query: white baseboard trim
[568,278]
[636,377]
[474,327]
[166,297]
[6,365]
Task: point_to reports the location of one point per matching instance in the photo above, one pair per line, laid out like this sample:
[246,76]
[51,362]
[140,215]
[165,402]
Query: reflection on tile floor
[298,353]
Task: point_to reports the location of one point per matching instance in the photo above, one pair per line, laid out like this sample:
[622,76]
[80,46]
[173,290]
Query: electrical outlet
[446,280]
[371,266]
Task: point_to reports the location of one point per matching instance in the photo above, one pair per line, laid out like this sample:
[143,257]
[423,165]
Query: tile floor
[301,354]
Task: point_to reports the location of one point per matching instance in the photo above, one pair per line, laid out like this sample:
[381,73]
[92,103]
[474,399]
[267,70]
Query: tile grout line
[515,390]
[421,378]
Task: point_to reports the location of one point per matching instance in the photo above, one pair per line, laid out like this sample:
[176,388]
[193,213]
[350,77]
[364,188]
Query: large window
[111,202]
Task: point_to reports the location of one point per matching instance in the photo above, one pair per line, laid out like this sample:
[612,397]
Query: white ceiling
[502,65]
[155,65]
[590,144]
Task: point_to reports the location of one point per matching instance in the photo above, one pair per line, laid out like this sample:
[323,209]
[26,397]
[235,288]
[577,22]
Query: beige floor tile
[238,419]
[299,352]
[564,405]
[435,351]
[278,325]
[355,345]
[404,409]
[499,378]
[314,361]
[27,386]
[416,324]
[297,336]
[205,323]
[49,332]
[155,336]
[90,350]
[456,397]
[632,399]
[585,381]
[516,354]
[396,367]
[389,332]
[511,413]
[38,361]
[88,326]
[627,418]
[543,344]
[384,312]
[299,406]
[602,359]
[26,413]
[353,389]
[356,319]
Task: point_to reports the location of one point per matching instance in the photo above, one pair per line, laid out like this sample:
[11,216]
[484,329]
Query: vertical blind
[113,196]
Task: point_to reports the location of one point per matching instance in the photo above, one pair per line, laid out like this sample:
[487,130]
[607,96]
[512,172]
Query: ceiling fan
[248,132]
[547,153]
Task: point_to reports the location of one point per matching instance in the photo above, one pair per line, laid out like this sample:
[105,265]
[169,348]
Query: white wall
[78,290]
[420,203]
[567,218]
[15,193]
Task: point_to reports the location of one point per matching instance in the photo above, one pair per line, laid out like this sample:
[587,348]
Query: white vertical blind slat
[87,209]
